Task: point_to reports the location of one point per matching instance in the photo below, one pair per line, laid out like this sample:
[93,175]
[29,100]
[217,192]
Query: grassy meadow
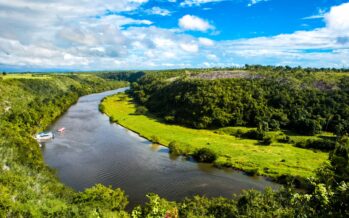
[248,155]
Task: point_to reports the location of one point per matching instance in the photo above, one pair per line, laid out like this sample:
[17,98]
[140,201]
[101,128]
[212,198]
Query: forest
[301,100]
[305,102]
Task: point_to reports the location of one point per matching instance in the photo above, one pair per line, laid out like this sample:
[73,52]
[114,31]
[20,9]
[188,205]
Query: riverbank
[275,161]
[28,104]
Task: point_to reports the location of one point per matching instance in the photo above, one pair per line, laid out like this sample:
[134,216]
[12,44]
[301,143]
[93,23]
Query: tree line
[305,102]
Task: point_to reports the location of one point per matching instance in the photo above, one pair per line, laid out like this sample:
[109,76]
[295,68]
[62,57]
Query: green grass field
[245,154]
[25,76]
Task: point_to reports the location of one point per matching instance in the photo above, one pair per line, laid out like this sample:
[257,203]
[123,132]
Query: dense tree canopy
[306,102]
[296,100]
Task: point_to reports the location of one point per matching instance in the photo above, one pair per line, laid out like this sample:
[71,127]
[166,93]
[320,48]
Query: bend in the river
[92,150]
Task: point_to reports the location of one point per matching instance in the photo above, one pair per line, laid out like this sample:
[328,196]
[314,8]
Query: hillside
[29,103]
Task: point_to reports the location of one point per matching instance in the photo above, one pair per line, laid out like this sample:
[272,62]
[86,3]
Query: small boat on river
[43,136]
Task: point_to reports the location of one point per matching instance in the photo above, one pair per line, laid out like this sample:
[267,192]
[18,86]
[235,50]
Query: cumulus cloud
[198,2]
[191,22]
[158,11]
[62,34]
[338,18]
[327,46]
[206,41]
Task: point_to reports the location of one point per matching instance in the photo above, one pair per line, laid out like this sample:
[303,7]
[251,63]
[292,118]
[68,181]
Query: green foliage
[102,198]
[254,134]
[29,103]
[141,110]
[155,139]
[175,148]
[205,155]
[339,159]
[284,139]
[156,207]
[322,144]
[267,140]
[29,189]
[231,150]
[122,76]
[269,98]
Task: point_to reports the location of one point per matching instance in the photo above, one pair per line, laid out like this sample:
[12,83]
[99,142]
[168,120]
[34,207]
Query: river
[92,150]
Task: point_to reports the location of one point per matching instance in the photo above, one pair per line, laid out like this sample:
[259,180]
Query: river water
[92,150]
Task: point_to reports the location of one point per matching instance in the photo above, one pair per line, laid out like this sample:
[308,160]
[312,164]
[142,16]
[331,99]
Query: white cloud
[190,47]
[253,2]
[158,11]
[338,18]
[319,15]
[327,46]
[64,34]
[198,2]
[206,41]
[191,22]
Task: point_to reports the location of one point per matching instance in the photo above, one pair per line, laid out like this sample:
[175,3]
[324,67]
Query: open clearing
[274,160]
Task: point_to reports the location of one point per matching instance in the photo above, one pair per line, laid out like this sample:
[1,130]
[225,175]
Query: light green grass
[25,76]
[245,154]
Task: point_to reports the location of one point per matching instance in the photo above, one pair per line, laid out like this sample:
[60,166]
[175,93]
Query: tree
[102,198]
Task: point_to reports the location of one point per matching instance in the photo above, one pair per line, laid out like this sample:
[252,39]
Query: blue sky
[234,19]
[158,34]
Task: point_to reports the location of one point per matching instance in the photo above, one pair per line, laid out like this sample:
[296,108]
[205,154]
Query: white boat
[44,136]
[61,130]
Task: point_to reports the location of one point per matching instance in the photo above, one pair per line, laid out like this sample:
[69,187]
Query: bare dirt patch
[222,75]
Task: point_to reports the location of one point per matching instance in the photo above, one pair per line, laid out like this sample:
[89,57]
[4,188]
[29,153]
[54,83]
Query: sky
[83,35]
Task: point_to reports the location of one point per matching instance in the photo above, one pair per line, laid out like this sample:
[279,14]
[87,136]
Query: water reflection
[93,150]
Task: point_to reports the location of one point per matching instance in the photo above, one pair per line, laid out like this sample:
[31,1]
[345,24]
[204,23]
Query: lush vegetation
[277,160]
[28,188]
[270,98]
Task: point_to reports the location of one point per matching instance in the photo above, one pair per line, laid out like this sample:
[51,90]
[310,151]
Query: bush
[141,110]
[102,198]
[155,139]
[174,148]
[308,126]
[254,134]
[113,119]
[101,108]
[284,139]
[251,172]
[205,155]
[267,140]
[324,145]
[169,119]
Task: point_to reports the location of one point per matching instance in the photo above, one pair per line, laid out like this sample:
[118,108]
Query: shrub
[155,139]
[101,108]
[324,145]
[141,110]
[113,119]
[102,198]
[284,139]
[251,172]
[205,155]
[169,119]
[274,125]
[266,140]
[254,134]
[174,148]
[308,126]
